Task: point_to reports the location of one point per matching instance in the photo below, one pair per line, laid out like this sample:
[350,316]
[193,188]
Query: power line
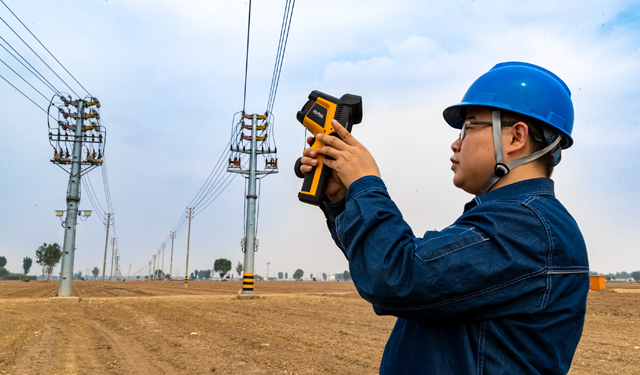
[286,24]
[25,95]
[38,75]
[246,67]
[65,69]
[34,52]
[24,79]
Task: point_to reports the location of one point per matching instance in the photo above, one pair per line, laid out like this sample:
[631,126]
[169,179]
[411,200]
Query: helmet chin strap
[501,169]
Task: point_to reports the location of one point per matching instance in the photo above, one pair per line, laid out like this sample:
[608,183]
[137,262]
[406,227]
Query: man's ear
[518,137]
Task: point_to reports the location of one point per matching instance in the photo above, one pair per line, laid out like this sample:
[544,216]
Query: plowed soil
[293,328]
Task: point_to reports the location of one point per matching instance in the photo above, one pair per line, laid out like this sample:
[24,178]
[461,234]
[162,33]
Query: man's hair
[545,162]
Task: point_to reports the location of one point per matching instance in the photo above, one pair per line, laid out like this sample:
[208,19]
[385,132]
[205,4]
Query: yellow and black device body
[316,115]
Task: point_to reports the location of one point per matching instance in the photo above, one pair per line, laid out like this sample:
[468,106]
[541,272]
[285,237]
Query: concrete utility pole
[249,242]
[153,276]
[173,237]
[75,136]
[186,271]
[73,200]
[106,245]
[268,263]
[129,277]
[162,278]
[113,256]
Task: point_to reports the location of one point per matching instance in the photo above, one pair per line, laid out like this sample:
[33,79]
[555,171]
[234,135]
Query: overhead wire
[25,26]
[34,52]
[25,95]
[27,82]
[286,23]
[35,71]
[246,67]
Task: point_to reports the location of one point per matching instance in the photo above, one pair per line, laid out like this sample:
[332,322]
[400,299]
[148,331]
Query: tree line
[635,275]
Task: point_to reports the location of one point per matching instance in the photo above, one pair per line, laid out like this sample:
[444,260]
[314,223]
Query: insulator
[275,150]
[99,154]
[243,149]
[68,155]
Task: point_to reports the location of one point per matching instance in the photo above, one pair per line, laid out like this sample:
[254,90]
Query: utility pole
[249,241]
[129,277]
[153,276]
[106,245]
[186,271]
[74,136]
[268,263]
[162,278]
[113,256]
[173,237]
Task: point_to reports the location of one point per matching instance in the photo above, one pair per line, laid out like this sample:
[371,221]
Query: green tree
[3,262]
[26,264]
[286,275]
[239,269]
[636,275]
[622,275]
[52,256]
[205,274]
[280,275]
[222,266]
[41,257]
[324,276]
[95,271]
[347,275]
[3,272]
[298,274]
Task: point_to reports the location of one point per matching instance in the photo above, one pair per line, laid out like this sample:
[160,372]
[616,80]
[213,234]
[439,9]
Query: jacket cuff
[363,184]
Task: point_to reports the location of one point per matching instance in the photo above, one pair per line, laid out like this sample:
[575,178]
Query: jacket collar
[534,186]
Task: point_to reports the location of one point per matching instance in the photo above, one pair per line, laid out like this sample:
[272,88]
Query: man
[503,289]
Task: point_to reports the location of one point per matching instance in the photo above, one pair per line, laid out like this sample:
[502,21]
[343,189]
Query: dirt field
[295,328]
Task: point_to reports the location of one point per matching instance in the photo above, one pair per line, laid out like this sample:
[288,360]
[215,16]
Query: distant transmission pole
[106,245]
[249,240]
[113,256]
[186,277]
[162,277]
[173,237]
[153,276]
[67,135]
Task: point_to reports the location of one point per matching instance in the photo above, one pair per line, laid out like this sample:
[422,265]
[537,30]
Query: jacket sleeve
[331,211]
[491,261]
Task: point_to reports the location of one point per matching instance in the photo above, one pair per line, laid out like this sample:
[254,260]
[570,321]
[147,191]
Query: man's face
[473,158]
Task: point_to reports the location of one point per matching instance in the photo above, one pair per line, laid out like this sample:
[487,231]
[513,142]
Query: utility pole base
[248,296]
[65,299]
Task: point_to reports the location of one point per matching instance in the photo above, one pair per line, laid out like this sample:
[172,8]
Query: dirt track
[297,328]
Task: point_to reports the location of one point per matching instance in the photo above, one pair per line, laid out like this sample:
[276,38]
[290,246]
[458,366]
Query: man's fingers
[310,153]
[329,151]
[343,133]
[308,161]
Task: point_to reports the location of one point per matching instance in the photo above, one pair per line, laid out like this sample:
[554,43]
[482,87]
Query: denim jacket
[500,291]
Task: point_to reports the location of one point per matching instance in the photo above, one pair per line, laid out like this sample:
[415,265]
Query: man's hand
[335,188]
[352,159]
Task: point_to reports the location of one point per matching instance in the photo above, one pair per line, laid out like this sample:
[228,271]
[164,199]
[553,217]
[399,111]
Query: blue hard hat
[521,88]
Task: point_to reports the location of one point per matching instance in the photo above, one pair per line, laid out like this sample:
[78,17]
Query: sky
[170,76]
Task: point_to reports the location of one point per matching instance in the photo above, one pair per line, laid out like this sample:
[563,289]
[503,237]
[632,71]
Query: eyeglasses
[463,130]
